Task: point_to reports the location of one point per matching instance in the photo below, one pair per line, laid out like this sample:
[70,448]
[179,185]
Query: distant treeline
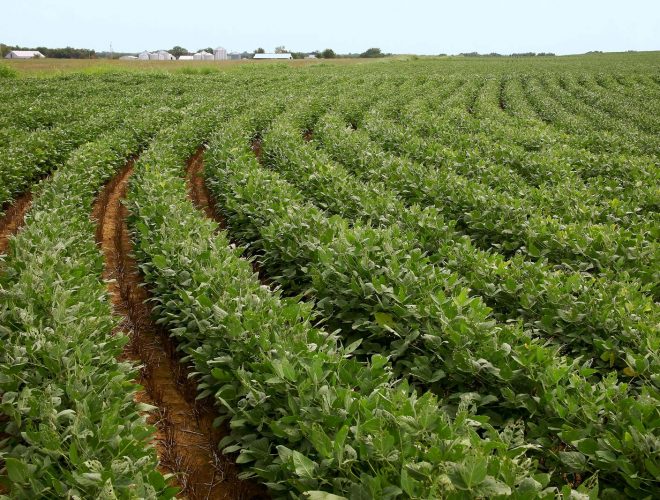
[65,53]
[518,54]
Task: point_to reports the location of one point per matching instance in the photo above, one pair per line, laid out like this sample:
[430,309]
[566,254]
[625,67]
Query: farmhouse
[273,56]
[24,54]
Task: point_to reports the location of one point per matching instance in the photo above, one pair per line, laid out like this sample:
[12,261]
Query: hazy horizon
[418,27]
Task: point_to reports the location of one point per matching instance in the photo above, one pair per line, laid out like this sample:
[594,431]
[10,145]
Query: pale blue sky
[415,26]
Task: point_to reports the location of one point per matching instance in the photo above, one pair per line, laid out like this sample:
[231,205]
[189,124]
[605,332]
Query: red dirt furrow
[197,190]
[13,219]
[186,440]
[256,147]
[202,199]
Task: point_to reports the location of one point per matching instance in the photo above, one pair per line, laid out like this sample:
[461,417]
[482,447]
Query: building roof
[273,56]
[185,58]
[27,53]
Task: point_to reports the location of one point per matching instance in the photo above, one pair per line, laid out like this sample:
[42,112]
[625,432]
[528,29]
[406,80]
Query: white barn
[159,55]
[162,55]
[203,56]
[24,54]
[273,56]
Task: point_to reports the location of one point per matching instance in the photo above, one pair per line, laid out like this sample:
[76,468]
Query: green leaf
[73,454]
[384,319]
[303,465]
[378,361]
[574,460]
[469,474]
[321,441]
[408,484]
[491,487]
[587,446]
[204,300]
[159,261]
[17,471]
[322,495]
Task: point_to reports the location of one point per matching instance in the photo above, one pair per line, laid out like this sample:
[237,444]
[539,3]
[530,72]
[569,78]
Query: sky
[411,27]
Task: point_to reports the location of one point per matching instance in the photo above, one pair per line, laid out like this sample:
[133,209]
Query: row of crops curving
[420,279]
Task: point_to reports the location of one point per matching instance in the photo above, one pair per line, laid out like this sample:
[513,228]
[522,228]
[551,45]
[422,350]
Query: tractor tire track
[13,219]
[186,439]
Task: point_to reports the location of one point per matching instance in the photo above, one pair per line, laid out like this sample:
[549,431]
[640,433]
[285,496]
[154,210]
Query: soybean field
[409,278]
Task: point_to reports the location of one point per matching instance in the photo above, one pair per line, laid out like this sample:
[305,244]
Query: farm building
[128,58]
[24,54]
[162,55]
[203,56]
[234,56]
[186,58]
[220,54]
[273,56]
[159,55]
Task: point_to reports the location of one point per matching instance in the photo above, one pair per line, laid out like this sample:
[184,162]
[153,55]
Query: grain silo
[220,54]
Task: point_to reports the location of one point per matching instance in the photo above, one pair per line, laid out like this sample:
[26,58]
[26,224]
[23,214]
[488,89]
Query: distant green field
[417,277]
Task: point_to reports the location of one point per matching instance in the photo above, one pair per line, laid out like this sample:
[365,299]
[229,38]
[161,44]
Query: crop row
[32,154]
[495,219]
[376,286]
[304,413]
[71,427]
[568,307]
[508,152]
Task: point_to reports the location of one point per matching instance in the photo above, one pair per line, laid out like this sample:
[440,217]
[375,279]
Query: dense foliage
[457,280]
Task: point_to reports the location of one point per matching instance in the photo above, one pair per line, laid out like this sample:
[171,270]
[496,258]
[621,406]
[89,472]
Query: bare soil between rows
[13,219]
[197,190]
[203,200]
[186,440]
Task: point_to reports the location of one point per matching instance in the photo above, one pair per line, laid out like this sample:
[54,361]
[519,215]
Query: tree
[178,51]
[328,54]
[260,51]
[281,50]
[372,52]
